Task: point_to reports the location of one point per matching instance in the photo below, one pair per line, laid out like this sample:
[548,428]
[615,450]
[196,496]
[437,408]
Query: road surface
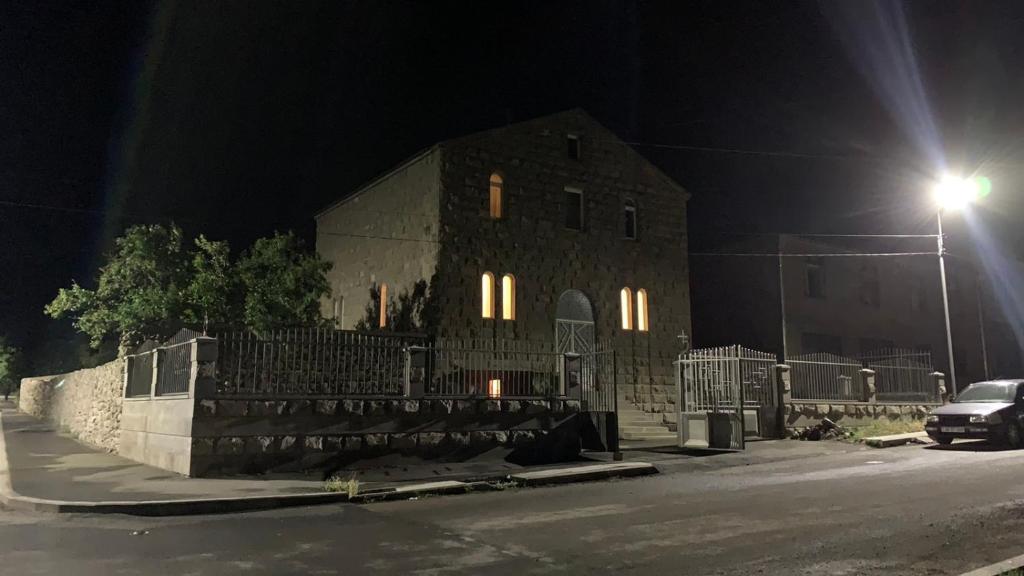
[909,510]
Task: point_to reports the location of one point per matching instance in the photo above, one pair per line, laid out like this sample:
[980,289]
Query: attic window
[573,143]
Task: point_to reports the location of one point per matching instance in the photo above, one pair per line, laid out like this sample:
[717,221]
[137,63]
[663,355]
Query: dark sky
[239,118]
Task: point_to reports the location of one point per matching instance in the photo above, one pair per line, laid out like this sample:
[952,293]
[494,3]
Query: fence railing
[162,370]
[725,378]
[336,363]
[824,376]
[902,375]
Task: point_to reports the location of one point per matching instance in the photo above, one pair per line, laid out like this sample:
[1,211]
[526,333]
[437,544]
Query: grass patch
[884,428]
[337,484]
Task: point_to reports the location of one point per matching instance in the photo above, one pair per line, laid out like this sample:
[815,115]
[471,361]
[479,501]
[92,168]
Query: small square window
[573,209]
[573,143]
[815,287]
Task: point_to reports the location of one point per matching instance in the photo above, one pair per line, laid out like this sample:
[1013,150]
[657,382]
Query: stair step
[643,430]
[632,436]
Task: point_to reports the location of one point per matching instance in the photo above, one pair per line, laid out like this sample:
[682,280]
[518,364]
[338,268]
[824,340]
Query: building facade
[519,231]
[851,306]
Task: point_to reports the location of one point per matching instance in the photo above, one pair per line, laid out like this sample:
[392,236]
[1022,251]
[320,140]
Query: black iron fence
[173,367]
[316,362]
[825,376]
[902,375]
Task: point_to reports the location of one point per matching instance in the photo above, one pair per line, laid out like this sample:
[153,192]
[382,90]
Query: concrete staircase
[635,424]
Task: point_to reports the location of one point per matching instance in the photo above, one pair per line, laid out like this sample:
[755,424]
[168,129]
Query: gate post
[784,395]
[939,382]
[867,381]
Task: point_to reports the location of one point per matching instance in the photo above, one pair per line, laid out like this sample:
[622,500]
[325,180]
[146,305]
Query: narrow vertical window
[629,211]
[572,142]
[497,195]
[626,303]
[487,295]
[508,297]
[574,209]
[642,321]
[494,388]
[382,322]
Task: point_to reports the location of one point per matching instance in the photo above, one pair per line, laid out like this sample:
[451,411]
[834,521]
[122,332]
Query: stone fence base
[231,436]
[851,414]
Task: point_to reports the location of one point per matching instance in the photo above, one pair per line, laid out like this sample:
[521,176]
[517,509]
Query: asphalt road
[910,510]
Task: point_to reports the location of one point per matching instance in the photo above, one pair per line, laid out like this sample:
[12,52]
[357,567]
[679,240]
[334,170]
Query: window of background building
[573,143]
[814,343]
[919,297]
[574,209]
[487,295]
[815,272]
[382,322]
[629,211]
[870,289]
[642,320]
[626,303]
[508,297]
[497,195]
[874,345]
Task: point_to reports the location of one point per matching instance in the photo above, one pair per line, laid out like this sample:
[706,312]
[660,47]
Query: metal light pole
[945,306]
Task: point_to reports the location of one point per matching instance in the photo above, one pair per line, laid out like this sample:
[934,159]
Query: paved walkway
[47,465]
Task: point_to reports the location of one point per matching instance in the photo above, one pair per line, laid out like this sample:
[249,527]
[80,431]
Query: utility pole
[945,306]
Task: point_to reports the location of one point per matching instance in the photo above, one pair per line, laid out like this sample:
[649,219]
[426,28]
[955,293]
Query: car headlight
[932,419]
[979,419]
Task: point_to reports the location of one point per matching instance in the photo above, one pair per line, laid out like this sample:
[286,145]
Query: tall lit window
[497,195]
[642,321]
[382,322]
[508,297]
[626,303]
[487,295]
[629,210]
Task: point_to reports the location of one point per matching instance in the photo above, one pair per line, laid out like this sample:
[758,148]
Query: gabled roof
[579,113]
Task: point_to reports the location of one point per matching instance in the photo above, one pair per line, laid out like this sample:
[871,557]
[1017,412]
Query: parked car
[991,410]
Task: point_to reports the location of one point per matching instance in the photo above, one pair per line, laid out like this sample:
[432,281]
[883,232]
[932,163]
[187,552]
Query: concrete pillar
[867,382]
[156,372]
[785,383]
[939,384]
[415,373]
[203,381]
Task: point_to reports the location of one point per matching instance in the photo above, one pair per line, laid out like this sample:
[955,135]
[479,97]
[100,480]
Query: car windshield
[988,392]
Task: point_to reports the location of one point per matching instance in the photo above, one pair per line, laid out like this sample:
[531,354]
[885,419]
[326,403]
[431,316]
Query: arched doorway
[574,323]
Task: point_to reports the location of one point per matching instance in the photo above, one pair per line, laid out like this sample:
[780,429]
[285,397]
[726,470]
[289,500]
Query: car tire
[1011,436]
[944,440]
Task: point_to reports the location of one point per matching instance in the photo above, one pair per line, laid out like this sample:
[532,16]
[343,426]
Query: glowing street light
[954,193]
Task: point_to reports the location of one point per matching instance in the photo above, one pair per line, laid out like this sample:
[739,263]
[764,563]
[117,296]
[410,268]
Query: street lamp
[953,193]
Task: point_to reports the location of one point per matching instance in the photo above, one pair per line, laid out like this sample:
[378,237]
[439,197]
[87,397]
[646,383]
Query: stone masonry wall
[850,414]
[532,243]
[85,403]
[251,436]
[386,233]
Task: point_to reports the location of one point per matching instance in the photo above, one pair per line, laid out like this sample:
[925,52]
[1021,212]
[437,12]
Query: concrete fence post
[203,379]
[156,372]
[867,383]
[939,384]
[785,383]
[415,373]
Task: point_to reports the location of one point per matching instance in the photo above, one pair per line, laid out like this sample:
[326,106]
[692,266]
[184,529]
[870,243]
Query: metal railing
[902,375]
[140,375]
[312,362]
[825,376]
[488,367]
[174,368]
[725,378]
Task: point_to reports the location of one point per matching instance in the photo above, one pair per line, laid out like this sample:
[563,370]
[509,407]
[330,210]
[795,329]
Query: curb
[997,568]
[15,501]
[894,439]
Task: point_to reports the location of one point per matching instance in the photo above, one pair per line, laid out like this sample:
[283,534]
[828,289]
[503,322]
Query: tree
[212,292]
[413,311]
[282,283]
[10,368]
[139,289]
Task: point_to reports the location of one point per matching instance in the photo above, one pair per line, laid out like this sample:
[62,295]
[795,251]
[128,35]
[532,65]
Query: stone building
[851,306]
[553,222]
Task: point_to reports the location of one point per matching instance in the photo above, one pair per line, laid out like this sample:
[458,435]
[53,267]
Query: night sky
[240,118]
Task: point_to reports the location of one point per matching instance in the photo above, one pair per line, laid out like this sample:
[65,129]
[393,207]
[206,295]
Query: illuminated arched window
[642,320]
[487,295]
[382,322]
[497,195]
[626,303]
[508,297]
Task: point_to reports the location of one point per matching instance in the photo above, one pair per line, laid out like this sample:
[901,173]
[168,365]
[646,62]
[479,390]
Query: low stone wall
[851,414]
[86,403]
[250,436]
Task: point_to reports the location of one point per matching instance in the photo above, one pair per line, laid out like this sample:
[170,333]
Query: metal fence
[174,368]
[140,375]
[489,367]
[313,361]
[902,375]
[723,378]
[173,361]
[825,376]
